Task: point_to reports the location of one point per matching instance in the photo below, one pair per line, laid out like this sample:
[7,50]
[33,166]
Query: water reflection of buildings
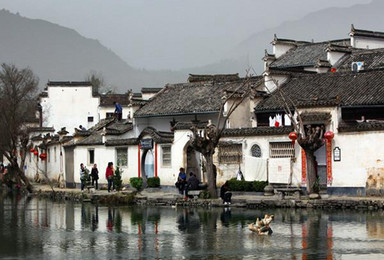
[153,232]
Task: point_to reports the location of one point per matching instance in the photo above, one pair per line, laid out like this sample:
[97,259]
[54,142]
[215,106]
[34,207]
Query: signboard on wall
[146,143]
[337,154]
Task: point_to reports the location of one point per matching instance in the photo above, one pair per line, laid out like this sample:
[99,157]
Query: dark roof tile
[256,131]
[68,83]
[329,89]
[189,98]
[108,99]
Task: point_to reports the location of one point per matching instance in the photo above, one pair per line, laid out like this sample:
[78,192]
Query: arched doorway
[148,164]
[194,163]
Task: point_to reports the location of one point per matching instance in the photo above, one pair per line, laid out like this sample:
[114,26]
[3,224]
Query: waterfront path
[170,197]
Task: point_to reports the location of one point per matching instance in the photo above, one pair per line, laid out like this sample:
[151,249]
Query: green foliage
[117,179]
[136,182]
[254,186]
[204,194]
[153,182]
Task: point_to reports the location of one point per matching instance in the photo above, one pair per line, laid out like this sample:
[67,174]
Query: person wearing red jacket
[109,173]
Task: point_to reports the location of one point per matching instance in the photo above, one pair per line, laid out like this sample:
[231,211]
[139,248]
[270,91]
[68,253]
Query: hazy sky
[167,34]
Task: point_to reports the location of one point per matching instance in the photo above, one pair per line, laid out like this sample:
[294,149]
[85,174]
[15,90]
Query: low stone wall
[318,204]
[176,200]
[119,198]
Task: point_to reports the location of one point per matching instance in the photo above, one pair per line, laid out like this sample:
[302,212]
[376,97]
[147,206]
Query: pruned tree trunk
[312,186]
[211,175]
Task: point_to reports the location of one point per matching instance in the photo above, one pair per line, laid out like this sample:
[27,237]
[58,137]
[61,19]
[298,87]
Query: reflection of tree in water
[225,216]
[15,229]
[118,221]
[85,216]
[95,218]
[315,241]
[188,221]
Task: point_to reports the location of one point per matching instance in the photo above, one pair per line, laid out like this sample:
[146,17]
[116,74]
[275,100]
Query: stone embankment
[157,197]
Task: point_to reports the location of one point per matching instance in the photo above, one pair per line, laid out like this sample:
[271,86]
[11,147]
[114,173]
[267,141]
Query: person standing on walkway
[84,172]
[109,173]
[118,110]
[95,176]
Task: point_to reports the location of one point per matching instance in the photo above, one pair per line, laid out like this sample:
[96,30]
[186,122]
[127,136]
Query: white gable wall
[69,107]
[367,42]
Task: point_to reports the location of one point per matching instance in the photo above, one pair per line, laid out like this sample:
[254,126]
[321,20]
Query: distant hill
[327,24]
[57,53]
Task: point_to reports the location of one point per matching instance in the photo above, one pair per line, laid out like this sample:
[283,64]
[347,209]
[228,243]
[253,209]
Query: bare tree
[17,106]
[97,81]
[309,137]
[206,140]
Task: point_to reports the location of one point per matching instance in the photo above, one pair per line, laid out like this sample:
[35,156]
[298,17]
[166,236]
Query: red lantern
[333,70]
[32,150]
[329,135]
[35,152]
[43,156]
[293,137]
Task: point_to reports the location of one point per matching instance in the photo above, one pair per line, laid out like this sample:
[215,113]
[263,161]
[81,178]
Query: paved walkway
[172,194]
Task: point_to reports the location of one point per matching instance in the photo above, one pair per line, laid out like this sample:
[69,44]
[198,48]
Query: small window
[109,114]
[230,153]
[54,154]
[90,119]
[256,151]
[91,156]
[121,156]
[49,154]
[166,155]
[281,150]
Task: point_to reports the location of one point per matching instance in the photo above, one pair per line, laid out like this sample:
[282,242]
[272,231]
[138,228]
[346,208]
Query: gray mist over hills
[215,36]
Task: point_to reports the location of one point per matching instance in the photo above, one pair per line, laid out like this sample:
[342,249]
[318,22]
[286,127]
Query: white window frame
[166,162]
[281,149]
[230,153]
[117,156]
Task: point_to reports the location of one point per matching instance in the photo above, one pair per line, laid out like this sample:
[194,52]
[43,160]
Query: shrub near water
[153,182]
[136,182]
[254,186]
[117,179]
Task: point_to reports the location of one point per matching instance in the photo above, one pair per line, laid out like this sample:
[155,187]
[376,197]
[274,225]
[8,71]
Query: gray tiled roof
[158,136]
[372,59]
[256,131]
[108,99]
[68,83]
[117,142]
[363,126]
[365,33]
[150,90]
[217,78]
[305,55]
[93,139]
[302,56]
[113,127]
[41,129]
[329,89]
[189,98]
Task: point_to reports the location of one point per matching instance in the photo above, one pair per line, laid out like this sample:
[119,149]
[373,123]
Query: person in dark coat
[95,176]
[225,194]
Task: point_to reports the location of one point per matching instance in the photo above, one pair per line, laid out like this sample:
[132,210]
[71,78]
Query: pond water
[33,228]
